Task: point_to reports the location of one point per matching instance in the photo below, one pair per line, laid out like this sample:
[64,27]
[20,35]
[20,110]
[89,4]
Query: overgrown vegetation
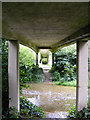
[11,112]
[5,97]
[28,73]
[67,83]
[84,113]
[64,69]
[26,56]
[27,110]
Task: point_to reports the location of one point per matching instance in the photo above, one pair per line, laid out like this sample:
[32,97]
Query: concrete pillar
[52,58]
[82,75]
[13,73]
[36,58]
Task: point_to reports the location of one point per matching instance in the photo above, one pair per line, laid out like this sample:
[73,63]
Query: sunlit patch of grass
[67,83]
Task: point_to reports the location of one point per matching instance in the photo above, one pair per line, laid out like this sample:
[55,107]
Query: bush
[29,72]
[5,96]
[44,60]
[29,75]
[12,112]
[27,109]
[65,65]
[26,56]
[84,113]
[55,76]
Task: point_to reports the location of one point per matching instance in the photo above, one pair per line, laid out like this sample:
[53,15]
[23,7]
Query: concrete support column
[82,75]
[13,73]
[52,58]
[36,58]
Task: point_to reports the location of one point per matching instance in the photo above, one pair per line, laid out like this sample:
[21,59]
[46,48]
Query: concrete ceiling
[45,25]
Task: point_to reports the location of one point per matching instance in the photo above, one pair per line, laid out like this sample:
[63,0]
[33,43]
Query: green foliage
[26,56]
[65,65]
[55,76]
[31,74]
[28,73]
[66,83]
[5,97]
[12,112]
[44,60]
[27,109]
[72,112]
[84,113]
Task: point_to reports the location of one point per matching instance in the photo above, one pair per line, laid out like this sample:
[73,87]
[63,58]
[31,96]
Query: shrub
[55,76]
[26,56]
[29,75]
[84,113]
[65,64]
[44,60]
[28,109]
[5,96]
[12,112]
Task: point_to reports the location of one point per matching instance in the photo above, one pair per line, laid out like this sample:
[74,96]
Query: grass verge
[67,83]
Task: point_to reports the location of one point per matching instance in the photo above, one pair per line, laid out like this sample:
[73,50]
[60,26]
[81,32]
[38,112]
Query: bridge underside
[47,26]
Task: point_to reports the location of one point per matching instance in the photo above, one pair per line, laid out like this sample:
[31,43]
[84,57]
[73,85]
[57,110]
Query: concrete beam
[13,73]
[69,41]
[82,75]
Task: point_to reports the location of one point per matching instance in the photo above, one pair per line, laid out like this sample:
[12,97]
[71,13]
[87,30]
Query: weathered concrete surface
[41,25]
[82,75]
[13,73]
[46,25]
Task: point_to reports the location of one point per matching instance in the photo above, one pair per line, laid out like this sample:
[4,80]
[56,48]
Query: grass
[67,83]
[89,83]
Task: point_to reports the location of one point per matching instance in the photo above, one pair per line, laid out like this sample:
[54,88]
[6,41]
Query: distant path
[46,75]
[46,69]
